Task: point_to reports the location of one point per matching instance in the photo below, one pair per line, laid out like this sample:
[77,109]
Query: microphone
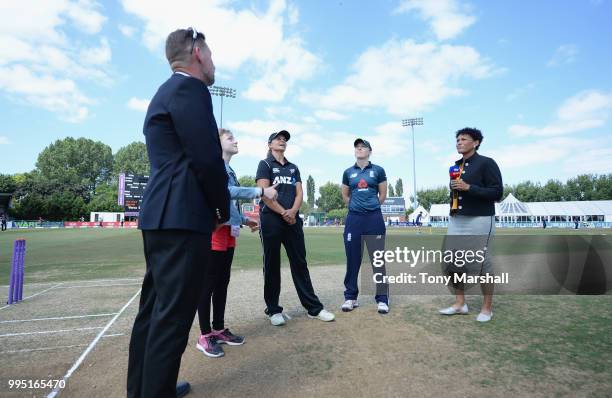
[455,173]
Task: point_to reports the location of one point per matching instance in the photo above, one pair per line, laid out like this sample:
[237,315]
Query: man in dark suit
[185,198]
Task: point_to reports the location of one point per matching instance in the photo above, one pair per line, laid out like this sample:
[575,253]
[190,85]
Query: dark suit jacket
[486,186]
[187,182]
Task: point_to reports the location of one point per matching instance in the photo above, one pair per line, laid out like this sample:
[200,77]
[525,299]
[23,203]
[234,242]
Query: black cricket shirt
[286,175]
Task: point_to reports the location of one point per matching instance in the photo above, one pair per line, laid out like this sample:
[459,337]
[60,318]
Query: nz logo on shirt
[292,171]
[283,180]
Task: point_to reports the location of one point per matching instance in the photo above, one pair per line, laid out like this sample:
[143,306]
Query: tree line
[330,196]
[74,177]
[582,187]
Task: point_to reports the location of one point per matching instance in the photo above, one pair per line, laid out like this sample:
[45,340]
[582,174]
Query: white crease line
[112,280]
[49,331]
[34,295]
[55,348]
[91,346]
[37,284]
[42,349]
[113,335]
[86,280]
[106,285]
[44,291]
[58,318]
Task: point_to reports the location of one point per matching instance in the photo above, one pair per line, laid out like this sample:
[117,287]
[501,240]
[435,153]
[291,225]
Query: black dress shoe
[182,389]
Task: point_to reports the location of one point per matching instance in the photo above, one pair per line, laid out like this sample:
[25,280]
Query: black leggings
[215,287]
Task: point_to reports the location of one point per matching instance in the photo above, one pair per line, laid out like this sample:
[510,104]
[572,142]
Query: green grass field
[73,254]
[537,345]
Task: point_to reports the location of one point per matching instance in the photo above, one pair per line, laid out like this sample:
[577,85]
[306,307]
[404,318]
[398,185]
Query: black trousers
[4,226]
[273,232]
[215,289]
[171,289]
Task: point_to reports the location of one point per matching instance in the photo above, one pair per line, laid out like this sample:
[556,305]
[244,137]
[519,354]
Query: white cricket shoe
[383,308]
[277,319]
[349,305]
[323,315]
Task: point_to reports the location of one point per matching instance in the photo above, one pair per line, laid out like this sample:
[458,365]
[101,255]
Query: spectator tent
[511,210]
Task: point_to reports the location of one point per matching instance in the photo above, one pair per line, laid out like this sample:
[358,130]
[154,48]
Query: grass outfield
[556,345]
[78,254]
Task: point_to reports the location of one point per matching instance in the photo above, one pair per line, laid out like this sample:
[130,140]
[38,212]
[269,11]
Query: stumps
[17,272]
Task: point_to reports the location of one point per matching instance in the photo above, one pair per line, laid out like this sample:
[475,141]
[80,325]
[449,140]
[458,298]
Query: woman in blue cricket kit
[364,189]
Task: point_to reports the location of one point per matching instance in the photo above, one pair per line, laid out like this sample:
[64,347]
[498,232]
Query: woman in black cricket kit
[280,223]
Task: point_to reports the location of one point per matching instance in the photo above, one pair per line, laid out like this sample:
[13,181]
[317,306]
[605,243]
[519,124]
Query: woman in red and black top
[223,243]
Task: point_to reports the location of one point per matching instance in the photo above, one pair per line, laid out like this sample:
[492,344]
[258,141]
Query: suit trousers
[359,225]
[273,232]
[171,289]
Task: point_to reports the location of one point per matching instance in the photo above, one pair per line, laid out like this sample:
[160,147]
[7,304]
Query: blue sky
[533,76]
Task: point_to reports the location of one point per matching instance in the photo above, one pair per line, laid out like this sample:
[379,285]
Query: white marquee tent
[513,210]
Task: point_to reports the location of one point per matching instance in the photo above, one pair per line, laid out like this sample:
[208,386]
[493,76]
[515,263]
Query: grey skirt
[476,233]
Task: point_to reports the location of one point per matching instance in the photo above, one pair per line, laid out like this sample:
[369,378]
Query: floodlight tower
[222,92]
[413,122]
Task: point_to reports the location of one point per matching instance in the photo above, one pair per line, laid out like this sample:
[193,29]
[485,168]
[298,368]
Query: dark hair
[472,132]
[178,45]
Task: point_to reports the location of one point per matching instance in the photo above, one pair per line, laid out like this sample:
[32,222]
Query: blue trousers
[357,225]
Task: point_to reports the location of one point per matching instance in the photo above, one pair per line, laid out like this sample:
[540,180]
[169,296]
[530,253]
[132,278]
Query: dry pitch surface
[535,346]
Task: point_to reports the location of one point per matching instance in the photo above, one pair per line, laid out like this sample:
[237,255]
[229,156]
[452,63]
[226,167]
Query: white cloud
[255,41]
[127,31]
[404,77]
[4,140]
[276,112]
[533,153]
[97,55]
[571,156]
[391,128]
[447,17]
[593,159]
[519,92]
[306,136]
[585,110]
[40,65]
[565,54]
[49,92]
[325,114]
[138,104]
[430,146]
[252,136]
[85,15]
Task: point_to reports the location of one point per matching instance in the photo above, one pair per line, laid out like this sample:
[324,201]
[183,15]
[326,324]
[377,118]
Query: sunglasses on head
[194,37]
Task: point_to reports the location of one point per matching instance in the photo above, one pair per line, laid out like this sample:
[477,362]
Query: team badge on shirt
[362,184]
[372,173]
[284,180]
